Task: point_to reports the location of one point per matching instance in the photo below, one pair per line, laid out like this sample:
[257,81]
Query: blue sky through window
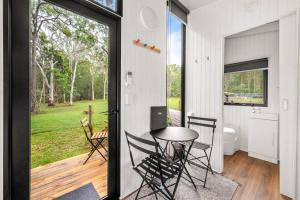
[174,40]
[112,4]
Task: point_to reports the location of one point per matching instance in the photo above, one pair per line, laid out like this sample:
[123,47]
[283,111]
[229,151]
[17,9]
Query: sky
[174,40]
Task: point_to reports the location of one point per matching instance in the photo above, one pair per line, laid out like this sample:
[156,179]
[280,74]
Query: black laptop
[158,118]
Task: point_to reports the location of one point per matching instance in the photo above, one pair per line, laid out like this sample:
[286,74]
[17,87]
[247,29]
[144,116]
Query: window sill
[245,105]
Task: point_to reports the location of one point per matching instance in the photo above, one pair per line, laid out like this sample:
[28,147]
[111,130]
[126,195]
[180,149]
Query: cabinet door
[263,137]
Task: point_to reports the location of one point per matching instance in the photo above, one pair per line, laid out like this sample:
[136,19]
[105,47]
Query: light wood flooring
[259,180]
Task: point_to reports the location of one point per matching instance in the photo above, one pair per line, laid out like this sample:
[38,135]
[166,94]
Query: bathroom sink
[264,116]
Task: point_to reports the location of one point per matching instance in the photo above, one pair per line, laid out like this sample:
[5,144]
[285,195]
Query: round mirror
[149,18]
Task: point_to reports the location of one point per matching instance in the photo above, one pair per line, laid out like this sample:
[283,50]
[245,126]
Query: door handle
[113,112]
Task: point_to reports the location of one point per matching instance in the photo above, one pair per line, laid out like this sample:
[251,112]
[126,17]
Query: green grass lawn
[56,132]
[174,103]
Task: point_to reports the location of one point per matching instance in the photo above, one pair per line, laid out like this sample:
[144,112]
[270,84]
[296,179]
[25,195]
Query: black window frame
[183,65]
[118,12]
[16,153]
[252,65]
[179,10]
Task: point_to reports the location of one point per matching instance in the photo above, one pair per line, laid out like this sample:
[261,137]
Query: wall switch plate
[285,104]
[128,99]
[128,78]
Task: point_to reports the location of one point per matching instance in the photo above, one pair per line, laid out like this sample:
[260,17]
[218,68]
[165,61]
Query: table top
[175,134]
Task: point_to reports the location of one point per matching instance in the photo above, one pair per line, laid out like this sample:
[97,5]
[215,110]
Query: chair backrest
[86,128]
[140,144]
[203,122]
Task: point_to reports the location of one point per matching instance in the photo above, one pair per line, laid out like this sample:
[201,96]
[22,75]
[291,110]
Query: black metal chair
[154,168]
[95,139]
[208,123]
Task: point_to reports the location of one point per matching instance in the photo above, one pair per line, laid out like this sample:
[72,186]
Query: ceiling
[270,27]
[194,4]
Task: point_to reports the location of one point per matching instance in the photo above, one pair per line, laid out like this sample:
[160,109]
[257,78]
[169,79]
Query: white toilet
[231,139]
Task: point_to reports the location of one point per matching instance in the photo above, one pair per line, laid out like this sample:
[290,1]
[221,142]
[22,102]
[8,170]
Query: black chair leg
[208,162]
[206,173]
[137,195]
[210,169]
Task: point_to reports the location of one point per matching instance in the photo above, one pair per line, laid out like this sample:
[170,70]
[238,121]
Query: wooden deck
[55,179]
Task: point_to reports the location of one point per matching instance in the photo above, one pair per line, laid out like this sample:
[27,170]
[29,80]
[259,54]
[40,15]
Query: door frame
[183,66]
[16,39]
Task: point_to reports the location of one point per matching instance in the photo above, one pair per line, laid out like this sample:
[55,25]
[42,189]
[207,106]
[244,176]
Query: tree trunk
[44,96]
[104,86]
[64,96]
[42,91]
[93,89]
[73,82]
[51,84]
[34,103]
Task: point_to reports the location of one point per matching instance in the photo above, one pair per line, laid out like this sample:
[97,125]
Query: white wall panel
[249,47]
[206,31]
[149,78]
[298,144]
[287,6]
[288,90]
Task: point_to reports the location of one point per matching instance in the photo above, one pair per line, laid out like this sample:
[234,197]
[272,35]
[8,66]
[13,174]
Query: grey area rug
[87,192]
[217,188]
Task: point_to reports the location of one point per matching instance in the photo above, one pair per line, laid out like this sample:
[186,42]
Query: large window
[175,70]
[246,83]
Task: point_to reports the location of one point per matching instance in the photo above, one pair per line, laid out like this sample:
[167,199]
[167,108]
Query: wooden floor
[259,180]
[56,179]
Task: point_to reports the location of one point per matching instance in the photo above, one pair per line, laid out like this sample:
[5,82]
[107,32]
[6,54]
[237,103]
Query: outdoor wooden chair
[211,125]
[95,139]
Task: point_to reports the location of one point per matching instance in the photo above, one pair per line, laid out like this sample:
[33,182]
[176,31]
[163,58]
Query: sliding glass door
[175,70]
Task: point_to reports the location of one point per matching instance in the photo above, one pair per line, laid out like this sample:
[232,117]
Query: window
[175,70]
[110,4]
[176,21]
[246,83]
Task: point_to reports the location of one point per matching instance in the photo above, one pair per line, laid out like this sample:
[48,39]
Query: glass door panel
[71,95]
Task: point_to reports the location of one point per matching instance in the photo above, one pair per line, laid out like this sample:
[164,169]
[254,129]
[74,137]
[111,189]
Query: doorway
[251,109]
[70,125]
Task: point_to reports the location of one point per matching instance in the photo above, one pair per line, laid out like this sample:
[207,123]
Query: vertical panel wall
[148,86]
[251,45]
[204,86]
[288,78]
[298,144]
[205,58]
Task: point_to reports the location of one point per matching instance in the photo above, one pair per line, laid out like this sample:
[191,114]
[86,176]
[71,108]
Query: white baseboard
[262,157]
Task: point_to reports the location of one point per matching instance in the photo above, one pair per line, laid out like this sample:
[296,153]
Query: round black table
[175,134]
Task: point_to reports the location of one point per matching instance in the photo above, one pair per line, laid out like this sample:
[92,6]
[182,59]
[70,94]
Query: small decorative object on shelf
[146,46]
